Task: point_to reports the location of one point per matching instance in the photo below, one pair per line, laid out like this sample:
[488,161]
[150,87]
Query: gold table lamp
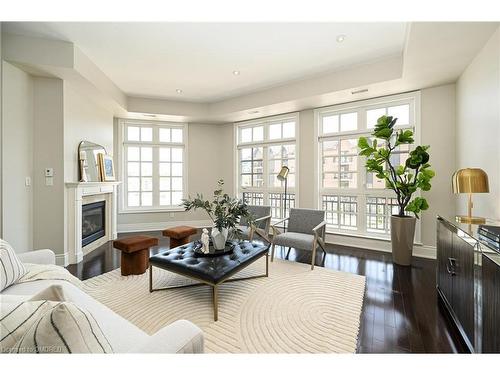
[470,180]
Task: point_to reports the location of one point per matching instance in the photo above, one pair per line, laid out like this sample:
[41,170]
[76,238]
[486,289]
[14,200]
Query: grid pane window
[401,112]
[264,147]
[253,198]
[340,163]
[251,134]
[153,165]
[251,167]
[170,170]
[354,200]
[281,130]
[340,211]
[278,156]
[139,170]
[378,213]
[277,201]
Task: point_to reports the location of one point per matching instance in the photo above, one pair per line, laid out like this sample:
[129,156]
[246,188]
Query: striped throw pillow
[17,318]
[66,328]
[11,268]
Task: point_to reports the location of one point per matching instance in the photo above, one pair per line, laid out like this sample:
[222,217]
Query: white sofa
[181,336]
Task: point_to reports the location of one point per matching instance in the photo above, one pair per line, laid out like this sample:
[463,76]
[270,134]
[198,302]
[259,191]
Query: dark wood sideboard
[468,284]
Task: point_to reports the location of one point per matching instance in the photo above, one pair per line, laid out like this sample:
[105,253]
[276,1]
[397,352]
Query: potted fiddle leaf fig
[405,180]
[223,210]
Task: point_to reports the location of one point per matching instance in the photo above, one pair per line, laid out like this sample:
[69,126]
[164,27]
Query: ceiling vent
[359,91]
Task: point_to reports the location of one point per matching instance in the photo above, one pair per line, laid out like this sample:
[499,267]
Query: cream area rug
[294,310]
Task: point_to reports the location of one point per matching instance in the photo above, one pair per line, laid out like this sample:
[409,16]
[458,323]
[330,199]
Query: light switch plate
[27,181]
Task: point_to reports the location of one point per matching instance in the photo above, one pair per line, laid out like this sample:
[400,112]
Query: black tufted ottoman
[211,271]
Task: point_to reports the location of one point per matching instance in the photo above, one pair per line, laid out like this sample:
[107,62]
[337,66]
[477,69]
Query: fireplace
[93,222]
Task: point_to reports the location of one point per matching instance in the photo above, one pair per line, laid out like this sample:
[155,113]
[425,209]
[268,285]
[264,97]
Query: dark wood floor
[401,313]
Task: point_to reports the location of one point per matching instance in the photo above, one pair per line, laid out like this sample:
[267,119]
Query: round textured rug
[294,310]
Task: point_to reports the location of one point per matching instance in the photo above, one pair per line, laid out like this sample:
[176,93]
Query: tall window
[356,201]
[153,165]
[263,147]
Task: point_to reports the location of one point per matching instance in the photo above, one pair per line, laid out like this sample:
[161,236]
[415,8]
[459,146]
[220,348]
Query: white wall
[48,201]
[210,157]
[307,159]
[478,125]
[17,156]
[83,120]
[438,131]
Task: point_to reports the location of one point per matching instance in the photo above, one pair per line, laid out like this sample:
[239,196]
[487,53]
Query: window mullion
[156,176]
[125,175]
[362,212]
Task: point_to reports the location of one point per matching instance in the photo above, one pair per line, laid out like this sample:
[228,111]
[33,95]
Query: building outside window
[153,164]
[263,147]
[355,201]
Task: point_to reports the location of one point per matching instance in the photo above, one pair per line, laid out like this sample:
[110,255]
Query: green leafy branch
[223,210]
[405,179]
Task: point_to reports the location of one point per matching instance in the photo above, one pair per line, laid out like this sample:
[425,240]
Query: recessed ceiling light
[178,91]
[340,38]
[236,72]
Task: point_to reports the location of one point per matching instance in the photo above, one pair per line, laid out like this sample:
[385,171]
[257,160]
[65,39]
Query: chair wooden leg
[272,252]
[313,254]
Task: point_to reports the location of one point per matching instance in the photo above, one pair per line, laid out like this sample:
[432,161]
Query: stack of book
[490,235]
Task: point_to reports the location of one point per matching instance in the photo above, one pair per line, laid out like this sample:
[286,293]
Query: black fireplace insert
[93,222]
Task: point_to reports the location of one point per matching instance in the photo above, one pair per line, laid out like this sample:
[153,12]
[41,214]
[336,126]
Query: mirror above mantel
[88,161]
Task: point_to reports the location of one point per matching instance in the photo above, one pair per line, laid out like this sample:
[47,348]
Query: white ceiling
[155,59]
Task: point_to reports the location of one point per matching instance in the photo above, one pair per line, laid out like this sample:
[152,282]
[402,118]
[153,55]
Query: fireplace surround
[82,194]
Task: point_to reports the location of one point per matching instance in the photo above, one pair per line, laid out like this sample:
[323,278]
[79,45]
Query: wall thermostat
[49,172]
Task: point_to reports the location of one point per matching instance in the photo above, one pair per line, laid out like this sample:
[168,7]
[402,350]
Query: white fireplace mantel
[78,194]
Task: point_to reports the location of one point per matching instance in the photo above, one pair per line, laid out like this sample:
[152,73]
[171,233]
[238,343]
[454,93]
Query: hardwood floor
[401,313]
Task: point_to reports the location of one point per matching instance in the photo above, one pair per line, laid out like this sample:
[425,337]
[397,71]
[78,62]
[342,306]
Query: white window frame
[266,121]
[361,192]
[122,175]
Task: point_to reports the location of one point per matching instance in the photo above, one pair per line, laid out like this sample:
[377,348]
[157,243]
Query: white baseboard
[419,250]
[62,259]
[146,227]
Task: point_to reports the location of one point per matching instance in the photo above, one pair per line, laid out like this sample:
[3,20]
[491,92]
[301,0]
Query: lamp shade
[470,180]
[283,173]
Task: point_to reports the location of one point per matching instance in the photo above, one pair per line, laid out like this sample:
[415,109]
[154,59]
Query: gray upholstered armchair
[306,230]
[260,225]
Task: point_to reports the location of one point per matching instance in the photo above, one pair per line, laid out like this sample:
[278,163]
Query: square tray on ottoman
[211,271]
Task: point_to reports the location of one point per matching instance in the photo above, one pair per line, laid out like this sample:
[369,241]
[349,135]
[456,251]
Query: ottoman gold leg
[150,278]
[215,302]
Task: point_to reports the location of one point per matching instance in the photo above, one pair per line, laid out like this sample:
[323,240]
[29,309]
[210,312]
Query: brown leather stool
[179,235]
[135,253]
